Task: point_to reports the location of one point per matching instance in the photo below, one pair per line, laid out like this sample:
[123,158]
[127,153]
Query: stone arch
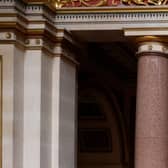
[107,122]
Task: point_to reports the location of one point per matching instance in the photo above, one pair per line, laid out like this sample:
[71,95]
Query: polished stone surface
[151,116]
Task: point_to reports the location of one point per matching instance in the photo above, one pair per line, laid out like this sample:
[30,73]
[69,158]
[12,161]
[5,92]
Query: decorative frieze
[34,42]
[7,36]
[98,3]
[111,17]
[111,21]
[7,2]
[35,9]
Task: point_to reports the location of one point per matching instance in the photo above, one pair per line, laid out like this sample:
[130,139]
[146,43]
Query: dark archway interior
[106,105]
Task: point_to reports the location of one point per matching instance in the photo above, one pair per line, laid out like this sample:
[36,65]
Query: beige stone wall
[39,104]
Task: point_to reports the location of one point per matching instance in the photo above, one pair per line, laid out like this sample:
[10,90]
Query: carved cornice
[50,3]
[114,21]
[31,20]
[36,1]
[35,18]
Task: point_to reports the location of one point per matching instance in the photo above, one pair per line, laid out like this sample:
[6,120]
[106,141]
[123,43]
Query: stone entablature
[40,20]
[32,17]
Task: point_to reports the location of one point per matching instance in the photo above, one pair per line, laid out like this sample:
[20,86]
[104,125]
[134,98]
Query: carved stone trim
[111,21]
[111,17]
[152,47]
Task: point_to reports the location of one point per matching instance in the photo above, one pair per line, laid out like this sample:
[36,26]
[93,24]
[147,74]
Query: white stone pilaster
[63,114]
[63,151]
[37,109]
[7,52]
[12,105]
[18,108]
[32,109]
[46,117]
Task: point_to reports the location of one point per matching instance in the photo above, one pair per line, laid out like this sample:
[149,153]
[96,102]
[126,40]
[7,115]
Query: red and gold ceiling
[97,3]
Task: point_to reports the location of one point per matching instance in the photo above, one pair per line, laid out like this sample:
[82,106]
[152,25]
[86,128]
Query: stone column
[151,150]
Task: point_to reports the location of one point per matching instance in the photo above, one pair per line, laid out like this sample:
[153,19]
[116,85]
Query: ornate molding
[7,36]
[98,3]
[119,20]
[151,48]
[56,4]
[35,18]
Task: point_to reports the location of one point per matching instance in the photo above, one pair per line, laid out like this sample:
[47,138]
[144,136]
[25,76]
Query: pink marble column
[151,140]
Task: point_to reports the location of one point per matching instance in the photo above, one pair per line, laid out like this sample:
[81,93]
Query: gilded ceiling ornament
[97,3]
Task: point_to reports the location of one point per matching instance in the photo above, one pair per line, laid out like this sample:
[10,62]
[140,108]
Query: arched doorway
[106,110]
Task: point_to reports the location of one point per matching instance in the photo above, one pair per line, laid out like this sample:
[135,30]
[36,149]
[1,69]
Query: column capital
[152,45]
